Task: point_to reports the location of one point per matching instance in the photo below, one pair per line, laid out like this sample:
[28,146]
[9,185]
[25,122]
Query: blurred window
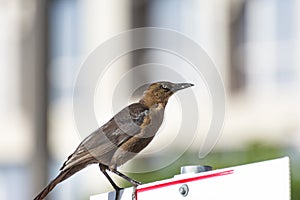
[264,55]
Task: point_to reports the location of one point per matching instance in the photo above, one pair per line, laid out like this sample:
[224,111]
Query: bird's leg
[132,181]
[103,169]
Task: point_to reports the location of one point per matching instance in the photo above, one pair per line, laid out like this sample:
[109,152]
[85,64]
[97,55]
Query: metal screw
[195,169]
[184,190]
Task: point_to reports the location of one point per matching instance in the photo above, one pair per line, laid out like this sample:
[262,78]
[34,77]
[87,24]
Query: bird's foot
[134,187]
[134,192]
[118,193]
[117,188]
[135,183]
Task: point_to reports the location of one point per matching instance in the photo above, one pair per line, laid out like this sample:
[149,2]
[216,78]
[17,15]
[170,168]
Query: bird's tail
[62,176]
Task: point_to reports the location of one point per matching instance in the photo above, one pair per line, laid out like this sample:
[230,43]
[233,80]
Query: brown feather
[102,144]
[122,137]
[61,177]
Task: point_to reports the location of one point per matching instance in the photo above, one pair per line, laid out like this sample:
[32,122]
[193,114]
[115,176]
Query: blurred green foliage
[255,152]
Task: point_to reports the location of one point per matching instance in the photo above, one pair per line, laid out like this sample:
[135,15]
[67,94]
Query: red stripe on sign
[197,178]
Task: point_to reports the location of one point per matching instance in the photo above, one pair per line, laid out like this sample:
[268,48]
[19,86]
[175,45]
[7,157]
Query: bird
[121,138]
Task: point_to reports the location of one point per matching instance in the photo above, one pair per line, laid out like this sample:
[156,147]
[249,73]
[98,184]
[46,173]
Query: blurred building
[254,43]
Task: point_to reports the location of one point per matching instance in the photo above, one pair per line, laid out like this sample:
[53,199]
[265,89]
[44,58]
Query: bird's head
[160,92]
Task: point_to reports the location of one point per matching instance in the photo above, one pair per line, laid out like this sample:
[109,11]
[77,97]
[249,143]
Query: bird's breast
[153,121]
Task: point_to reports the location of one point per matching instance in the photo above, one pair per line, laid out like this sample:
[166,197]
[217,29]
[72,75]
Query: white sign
[259,181]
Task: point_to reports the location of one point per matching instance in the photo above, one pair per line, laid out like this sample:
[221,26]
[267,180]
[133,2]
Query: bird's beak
[180,86]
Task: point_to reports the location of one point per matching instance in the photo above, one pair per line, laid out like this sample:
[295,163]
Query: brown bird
[121,138]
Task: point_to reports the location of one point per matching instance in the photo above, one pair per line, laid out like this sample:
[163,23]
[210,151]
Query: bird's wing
[99,146]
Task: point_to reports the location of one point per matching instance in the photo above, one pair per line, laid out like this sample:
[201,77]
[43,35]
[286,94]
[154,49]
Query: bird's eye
[164,86]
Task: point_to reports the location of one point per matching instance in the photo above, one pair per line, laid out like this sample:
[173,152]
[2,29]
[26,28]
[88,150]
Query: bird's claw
[118,193]
[119,189]
[136,183]
[134,192]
